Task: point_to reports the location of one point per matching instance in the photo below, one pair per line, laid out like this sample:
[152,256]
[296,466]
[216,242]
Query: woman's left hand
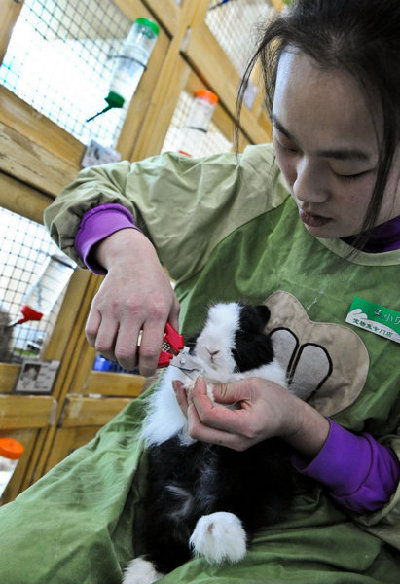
[263,409]
[260,412]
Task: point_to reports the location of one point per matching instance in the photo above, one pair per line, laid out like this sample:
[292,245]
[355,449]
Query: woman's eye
[350,177]
[286,148]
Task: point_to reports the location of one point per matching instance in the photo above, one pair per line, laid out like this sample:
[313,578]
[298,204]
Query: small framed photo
[36,376]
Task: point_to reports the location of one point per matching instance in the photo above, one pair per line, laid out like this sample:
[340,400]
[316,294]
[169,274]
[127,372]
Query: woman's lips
[312,220]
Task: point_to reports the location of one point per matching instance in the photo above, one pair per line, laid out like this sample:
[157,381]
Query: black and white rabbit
[204,499]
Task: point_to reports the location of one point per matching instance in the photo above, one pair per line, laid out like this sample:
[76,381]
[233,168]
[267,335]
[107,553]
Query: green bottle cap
[149,23]
[115,99]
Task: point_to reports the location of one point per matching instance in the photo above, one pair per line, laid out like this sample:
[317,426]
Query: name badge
[375,319]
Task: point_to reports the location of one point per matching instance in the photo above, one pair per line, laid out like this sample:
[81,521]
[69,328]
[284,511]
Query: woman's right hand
[134,295]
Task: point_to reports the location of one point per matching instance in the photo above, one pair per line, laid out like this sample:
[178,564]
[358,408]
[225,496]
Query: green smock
[226,229]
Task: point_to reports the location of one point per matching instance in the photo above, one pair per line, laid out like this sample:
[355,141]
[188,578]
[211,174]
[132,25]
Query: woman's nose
[309,184]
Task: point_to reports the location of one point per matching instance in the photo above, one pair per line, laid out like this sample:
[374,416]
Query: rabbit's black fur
[189,480]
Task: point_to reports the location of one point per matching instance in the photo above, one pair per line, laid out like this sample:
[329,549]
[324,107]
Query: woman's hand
[263,410]
[135,295]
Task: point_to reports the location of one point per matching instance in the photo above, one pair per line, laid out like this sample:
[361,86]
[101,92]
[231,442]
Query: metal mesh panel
[211,142]
[59,60]
[24,247]
[233,23]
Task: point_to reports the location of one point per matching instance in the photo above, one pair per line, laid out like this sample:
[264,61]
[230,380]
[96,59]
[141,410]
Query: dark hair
[359,36]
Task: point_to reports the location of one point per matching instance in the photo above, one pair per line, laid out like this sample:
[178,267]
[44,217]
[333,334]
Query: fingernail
[176,385]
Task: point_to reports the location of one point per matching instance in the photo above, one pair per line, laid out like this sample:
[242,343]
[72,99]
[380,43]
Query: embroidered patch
[327,363]
[375,319]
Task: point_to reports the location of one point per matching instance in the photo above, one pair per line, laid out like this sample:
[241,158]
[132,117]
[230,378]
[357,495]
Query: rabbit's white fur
[216,364]
[219,536]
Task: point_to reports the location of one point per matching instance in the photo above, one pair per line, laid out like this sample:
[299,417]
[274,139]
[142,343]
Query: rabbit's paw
[219,537]
[140,571]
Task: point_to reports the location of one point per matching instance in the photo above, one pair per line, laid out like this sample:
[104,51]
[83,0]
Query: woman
[315,234]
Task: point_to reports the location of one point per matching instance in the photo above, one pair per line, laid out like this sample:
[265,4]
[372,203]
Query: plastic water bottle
[135,55]
[131,63]
[44,293]
[197,122]
[10,452]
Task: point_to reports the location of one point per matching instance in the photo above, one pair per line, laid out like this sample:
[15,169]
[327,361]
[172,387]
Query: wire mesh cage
[211,142]
[25,247]
[60,60]
[234,25]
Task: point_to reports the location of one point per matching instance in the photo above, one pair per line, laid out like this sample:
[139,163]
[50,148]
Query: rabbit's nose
[213,353]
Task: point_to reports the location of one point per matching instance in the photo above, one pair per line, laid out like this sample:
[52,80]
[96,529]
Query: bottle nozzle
[114,100]
[28,314]
[108,107]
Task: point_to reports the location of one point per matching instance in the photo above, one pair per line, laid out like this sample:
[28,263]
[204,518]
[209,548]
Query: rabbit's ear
[264,312]
[253,318]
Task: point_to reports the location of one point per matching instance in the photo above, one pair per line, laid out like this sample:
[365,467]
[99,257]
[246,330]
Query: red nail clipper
[175,353]
[172,345]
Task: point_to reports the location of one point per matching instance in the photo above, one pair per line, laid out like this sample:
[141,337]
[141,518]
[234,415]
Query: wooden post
[9,10]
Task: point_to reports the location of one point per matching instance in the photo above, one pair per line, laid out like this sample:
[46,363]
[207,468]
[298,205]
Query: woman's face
[326,145]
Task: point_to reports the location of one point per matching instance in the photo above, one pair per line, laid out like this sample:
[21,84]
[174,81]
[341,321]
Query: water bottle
[197,122]
[10,452]
[130,63]
[134,57]
[44,293]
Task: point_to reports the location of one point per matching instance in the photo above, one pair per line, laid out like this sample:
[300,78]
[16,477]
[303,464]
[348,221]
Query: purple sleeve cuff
[360,473]
[98,223]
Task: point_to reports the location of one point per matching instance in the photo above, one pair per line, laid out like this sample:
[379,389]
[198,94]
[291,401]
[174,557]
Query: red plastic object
[173,343]
[173,338]
[29,314]
[164,359]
